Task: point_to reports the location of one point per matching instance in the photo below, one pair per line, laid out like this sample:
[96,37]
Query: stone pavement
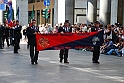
[16,68]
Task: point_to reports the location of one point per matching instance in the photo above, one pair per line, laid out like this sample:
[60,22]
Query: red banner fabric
[53,41]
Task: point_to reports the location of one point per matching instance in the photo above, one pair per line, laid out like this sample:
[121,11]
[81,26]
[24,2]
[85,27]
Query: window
[30,16]
[31,1]
[38,0]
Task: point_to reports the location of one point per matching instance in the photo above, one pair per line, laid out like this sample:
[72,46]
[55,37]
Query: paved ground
[16,68]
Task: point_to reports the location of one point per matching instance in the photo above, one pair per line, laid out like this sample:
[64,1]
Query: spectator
[120,32]
[117,49]
[49,29]
[42,29]
[55,30]
[114,34]
[89,28]
[109,45]
[24,33]
[105,32]
[108,31]
[102,48]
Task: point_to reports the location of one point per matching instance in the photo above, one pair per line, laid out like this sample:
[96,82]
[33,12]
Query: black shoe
[1,48]
[15,52]
[27,47]
[8,45]
[60,61]
[32,63]
[66,61]
[96,62]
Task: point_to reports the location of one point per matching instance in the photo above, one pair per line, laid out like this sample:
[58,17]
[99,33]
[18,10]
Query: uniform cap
[33,20]
[97,22]
[17,20]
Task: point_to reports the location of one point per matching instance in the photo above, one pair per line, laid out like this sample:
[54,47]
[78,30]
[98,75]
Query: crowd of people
[11,34]
[113,37]
[113,40]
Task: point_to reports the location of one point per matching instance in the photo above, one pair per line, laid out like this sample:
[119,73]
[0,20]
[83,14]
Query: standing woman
[120,33]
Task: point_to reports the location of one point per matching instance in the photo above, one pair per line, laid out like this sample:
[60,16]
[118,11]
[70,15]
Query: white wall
[80,3]
[79,19]
[1,16]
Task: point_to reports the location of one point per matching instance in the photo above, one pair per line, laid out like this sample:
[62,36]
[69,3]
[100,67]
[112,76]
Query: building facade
[38,6]
[81,11]
[76,11]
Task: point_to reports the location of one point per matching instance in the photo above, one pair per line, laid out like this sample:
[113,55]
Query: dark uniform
[17,36]
[31,32]
[64,52]
[1,36]
[27,37]
[6,32]
[96,51]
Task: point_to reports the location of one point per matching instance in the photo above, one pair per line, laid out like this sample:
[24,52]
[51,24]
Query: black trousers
[7,40]
[64,54]
[96,53]
[1,42]
[11,41]
[28,42]
[33,55]
[16,45]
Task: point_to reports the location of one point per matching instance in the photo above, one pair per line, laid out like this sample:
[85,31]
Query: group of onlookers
[77,28]
[113,40]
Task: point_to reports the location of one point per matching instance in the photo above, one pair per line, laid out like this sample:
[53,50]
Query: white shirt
[42,30]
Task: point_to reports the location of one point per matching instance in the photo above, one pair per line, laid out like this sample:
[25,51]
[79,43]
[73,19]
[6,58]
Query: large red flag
[68,40]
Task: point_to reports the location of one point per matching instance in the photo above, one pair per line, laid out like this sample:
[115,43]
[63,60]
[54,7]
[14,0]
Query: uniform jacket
[31,36]
[65,29]
[17,32]
[6,31]
[1,30]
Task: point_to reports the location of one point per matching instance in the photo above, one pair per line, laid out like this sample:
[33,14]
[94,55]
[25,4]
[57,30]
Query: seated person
[109,45]
[102,48]
[117,49]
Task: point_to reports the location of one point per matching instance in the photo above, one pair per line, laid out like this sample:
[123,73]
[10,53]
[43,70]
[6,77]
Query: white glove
[12,38]
[13,27]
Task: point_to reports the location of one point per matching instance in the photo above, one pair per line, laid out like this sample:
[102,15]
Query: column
[114,8]
[1,16]
[59,11]
[120,11]
[69,10]
[123,15]
[23,10]
[91,11]
[14,7]
[105,11]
